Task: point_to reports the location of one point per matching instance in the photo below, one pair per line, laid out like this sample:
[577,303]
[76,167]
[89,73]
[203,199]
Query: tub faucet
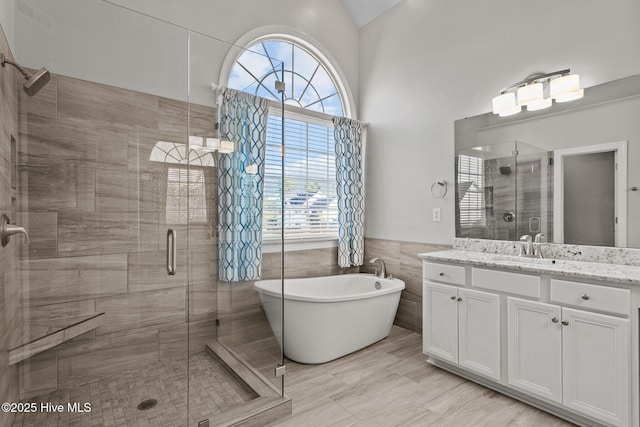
[382,273]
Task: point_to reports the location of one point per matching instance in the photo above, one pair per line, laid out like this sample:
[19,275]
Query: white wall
[7,20]
[102,42]
[426,63]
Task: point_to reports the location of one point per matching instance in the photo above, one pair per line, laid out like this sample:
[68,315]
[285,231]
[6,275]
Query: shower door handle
[172,251]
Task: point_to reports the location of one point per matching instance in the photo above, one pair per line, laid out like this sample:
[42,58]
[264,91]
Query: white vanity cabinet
[596,365]
[573,357]
[462,326]
[559,344]
[534,348]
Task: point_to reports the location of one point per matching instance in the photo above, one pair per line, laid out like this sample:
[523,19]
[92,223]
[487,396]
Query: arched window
[308,82]
[316,95]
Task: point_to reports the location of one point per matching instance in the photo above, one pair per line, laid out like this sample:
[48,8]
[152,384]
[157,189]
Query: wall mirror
[570,171]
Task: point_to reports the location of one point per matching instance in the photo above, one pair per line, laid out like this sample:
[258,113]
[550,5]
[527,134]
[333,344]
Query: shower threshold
[269,405]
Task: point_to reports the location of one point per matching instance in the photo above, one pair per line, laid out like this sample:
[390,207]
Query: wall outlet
[437,214]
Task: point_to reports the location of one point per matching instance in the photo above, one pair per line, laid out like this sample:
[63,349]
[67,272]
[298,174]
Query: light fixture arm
[534,77]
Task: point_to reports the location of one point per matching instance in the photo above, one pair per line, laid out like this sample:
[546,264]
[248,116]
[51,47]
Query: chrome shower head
[35,81]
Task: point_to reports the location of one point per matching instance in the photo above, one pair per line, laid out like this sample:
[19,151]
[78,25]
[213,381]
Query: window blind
[310,199]
[471,191]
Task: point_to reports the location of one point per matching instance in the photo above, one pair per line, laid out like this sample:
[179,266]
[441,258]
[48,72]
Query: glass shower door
[485,190]
[101,155]
[227,204]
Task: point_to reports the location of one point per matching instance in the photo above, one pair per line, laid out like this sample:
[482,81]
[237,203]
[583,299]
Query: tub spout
[382,273]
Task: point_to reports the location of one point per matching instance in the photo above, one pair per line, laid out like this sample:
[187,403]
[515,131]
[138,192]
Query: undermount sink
[528,260]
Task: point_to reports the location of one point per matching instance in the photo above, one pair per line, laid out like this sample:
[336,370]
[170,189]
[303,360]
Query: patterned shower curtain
[243,120]
[349,136]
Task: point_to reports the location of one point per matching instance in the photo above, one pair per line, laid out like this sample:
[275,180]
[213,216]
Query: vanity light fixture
[537,92]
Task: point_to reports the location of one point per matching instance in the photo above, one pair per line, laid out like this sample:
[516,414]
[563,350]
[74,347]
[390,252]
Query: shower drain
[147,404]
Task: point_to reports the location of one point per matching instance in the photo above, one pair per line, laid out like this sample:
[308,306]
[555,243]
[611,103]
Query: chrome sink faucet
[526,248]
[531,248]
[382,272]
[537,245]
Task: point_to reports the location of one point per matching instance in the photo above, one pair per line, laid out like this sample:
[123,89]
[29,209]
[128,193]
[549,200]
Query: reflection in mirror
[590,200]
[503,191]
[596,205]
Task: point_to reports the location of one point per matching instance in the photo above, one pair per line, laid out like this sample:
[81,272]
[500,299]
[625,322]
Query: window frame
[297,244]
[325,59]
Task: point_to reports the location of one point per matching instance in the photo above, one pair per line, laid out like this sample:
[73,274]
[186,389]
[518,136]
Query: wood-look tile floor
[390,384]
[114,400]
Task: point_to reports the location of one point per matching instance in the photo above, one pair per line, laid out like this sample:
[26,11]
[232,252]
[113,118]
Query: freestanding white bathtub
[329,317]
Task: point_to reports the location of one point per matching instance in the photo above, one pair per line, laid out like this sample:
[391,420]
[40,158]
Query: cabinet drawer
[595,297]
[444,273]
[501,281]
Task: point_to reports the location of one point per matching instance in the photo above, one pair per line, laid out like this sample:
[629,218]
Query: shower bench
[41,337]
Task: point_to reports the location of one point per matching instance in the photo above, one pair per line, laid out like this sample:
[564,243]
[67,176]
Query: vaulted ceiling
[365,11]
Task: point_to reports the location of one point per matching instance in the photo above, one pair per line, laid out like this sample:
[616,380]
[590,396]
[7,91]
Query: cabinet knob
[565,322]
[453,297]
[459,298]
[441,273]
[585,297]
[554,320]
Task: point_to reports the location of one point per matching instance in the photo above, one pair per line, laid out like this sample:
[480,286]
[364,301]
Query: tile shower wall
[402,261]
[96,210]
[9,289]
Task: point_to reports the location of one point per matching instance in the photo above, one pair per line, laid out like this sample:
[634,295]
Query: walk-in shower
[98,161]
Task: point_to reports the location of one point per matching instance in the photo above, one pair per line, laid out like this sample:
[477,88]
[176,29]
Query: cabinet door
[479,332]
[440,321]
[596,365]
[534,348]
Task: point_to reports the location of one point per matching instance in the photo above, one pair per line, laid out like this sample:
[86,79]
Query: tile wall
[9,289]
[402,261]
[97,211]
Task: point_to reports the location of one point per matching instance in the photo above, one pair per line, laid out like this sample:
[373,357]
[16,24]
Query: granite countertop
[614,273]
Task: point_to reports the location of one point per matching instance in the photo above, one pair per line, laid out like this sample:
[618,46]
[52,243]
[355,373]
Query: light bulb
[566,88]
[504,103]
[530,93]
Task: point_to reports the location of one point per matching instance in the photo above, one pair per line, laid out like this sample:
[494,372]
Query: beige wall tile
[173,120]
[202,120]
[38,374]
[101,104]
[96,233]
[86,190]
[90,361]
[139,310]
[51,186]
[45,314]
[173,341]
[202,299]
[55,280]
[45,105]
[201,333]
[9,286]
[388,250]
[43,234]
[148,271]
[41,135]
[406,266]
